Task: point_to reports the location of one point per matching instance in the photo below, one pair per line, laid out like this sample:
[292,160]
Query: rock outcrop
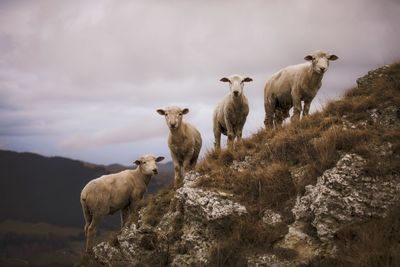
[200,212]
[342,196]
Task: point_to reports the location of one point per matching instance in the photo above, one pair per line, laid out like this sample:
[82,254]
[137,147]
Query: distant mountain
[34,188]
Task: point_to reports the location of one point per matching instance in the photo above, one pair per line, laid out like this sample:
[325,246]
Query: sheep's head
[320,61]
[173,116]
[147,164]
[236,83]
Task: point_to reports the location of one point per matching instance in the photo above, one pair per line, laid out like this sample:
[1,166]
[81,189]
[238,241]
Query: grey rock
[207,205]
[240,166]
[343,195]
[271,218]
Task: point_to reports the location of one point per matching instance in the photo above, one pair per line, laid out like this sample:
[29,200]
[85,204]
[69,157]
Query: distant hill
[34,188]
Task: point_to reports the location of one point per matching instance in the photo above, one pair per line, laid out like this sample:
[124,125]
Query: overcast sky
[82,79]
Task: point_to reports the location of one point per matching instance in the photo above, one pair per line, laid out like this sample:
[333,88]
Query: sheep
[184,142]
[293,84]
[230,114]
[110,193]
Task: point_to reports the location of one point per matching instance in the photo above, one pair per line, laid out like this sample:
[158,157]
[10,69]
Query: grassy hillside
[277,165]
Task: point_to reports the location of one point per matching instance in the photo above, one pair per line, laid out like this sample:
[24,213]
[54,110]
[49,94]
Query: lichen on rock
[344,195]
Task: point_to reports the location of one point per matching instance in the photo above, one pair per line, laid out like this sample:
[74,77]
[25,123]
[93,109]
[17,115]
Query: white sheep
[293,84]
[110,193]
[230,114]
[184,142]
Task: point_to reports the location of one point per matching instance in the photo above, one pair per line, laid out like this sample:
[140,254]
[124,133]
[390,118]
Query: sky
[83,79]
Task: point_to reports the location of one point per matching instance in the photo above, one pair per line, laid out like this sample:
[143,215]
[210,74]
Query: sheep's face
[173,116]
[147,164]
[320,61]
[236,83]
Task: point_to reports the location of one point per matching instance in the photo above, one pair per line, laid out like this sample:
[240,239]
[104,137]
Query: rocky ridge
[200,211]
[343,195]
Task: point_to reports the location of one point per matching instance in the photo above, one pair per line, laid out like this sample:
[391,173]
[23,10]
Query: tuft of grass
[243,236]
[264,186]
[157,206]
[374,243]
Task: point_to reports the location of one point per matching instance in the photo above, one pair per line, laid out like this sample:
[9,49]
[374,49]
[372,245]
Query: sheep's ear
[308,57]
[247,79]
[185,111]
[225,80]
[158,159]
[137,162]
[161,111]
[333,57]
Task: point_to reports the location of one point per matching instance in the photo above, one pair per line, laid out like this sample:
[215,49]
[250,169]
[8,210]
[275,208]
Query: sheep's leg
[178,172]
[285,113]
[231,138]
[187,166]
[217,137]
[91,233]
[239,136]
[231,135]
[134,208]
[178,176]
[87,216]
[269,114]
[125,214]
[306,108]
[195,156]
[296,108]
[279,117]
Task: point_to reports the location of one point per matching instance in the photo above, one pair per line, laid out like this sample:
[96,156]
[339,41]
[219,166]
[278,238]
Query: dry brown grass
[372,244]
[315,144]
[157,206]
[245,235]
[268,181]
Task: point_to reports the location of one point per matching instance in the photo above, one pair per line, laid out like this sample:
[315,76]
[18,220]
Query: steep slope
[320,192]
[34,188]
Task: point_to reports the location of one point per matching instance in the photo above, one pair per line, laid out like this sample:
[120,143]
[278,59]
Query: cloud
[108,136]
[91,73]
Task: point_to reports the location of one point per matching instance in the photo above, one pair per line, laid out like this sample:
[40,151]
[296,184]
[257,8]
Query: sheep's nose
[173,125]
[322,69]
[235,93]
[155,171]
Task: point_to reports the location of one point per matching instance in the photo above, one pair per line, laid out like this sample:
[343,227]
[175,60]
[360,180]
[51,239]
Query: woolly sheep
[293,84]
[120,191]
[184,142]
[230,114]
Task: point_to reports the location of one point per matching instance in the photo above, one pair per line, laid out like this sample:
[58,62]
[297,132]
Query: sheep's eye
[180,113]
[144,162]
